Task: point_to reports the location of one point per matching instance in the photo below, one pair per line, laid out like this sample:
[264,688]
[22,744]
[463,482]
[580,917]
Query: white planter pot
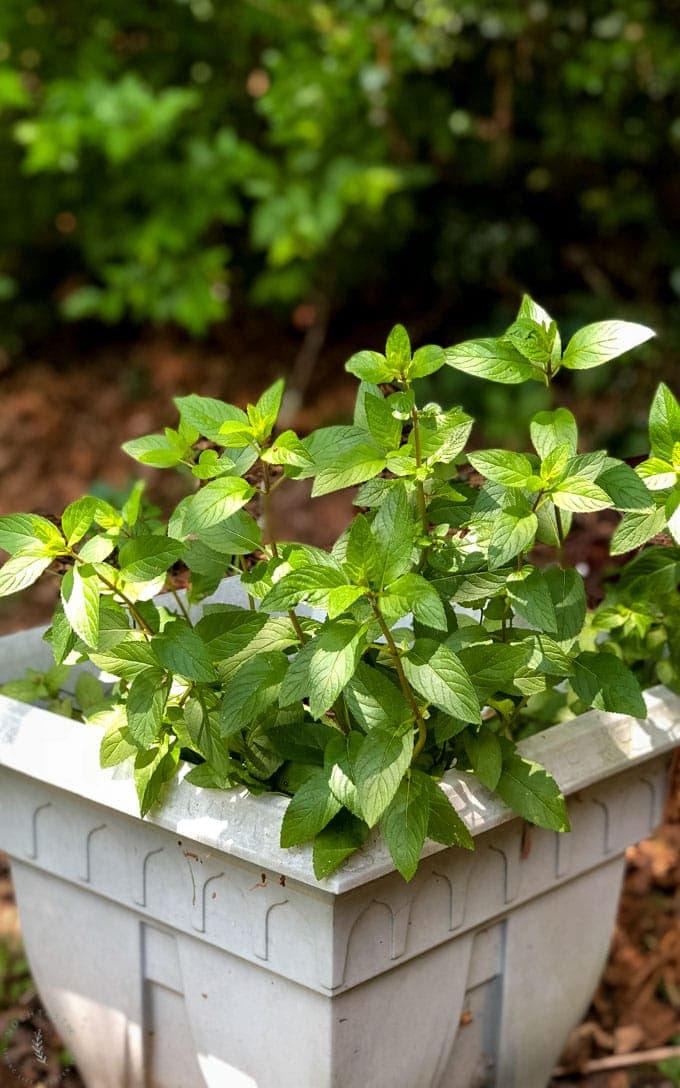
[188,949]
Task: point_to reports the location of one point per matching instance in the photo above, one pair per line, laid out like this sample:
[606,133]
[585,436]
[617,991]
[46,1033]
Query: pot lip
[62,753]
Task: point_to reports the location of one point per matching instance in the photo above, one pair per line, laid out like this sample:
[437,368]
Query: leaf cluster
[427,638]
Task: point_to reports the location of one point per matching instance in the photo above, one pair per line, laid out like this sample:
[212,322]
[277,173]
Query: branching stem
[403,682]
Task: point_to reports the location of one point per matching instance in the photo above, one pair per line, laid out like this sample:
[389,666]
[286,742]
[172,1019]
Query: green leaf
[179,649]
[486,756]
[530,791]
[404,825]
[568,593]
[443,824]
[89,692]
[393,530]
[513,532]
[332,661]
[21,571]
[580,495]
[531,598]
[384,428]
[144,558]
[351,467]
[374,700]
[664,424]
[80,588]
[340,765]
[336,842]
[635,529]
[287,449]
[379,767]
[153,768]
[19,531]
[370,366]
[216,502]
[412,593]
[77,518]
[309,811]
[439,676]
[154,449]
[311,584]
[426,360]
[625,489]
[552,429]
[263,415]
[116,745]
[235,635]
[672,511]
[493,359]
[502,467]
[127,659]
[145,706]
[603,681]
[604,340]
[252,691]
[398,350]
[207,415]
[657,474]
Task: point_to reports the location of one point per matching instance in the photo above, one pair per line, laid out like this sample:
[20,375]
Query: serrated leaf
[384,428]
[21,571]
[404,825]
[77,518]
[502,467]
[664,423]
[625,489]
[374,700]
[336,842]
[531,599]
[580,495]
[287,449]
[443,823]
[252,691]
[154,449]
[125,659]
[393,530]
[552,429]
[530,791]
[216,502]
[370,366]
[398,350]
[491,359]
[309,810]
[604,340]
[264,413]
[379,767]
[145,706]
[80,589]
[657,474]
[207,415]
[485,754]
[513,533]
[426,360]
[439,676]
[351,467]
[153,768]
[233,636]
[146,557]
[19,531]
[412,593]
[180,650]
[567,590]
[332,661]
[340,765]
[603,681]
[116,745]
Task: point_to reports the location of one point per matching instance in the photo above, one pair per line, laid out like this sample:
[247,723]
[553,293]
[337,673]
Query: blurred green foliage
[159,160]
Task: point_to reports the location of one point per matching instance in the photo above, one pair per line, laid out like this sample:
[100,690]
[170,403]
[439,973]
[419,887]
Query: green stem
[420,489]
[404,684]
[182,607]
[560,535]
[268,532]
[251,599]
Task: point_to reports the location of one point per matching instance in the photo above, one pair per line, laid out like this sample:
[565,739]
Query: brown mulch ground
[59,431]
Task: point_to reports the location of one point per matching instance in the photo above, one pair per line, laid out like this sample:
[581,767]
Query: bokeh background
[199,196]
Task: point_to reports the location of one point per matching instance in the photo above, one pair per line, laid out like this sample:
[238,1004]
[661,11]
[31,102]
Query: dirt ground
[60,430]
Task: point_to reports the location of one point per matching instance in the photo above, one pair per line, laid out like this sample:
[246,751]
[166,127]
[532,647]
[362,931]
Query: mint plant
[426,638]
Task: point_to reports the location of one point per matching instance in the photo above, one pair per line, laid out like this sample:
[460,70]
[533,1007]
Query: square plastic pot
[189,949]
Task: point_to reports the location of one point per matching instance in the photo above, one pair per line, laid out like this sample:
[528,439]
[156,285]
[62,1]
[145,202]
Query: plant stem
[420,489]
[404,684]
[182,607]
[251,599]
[560,535]
[268,532]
